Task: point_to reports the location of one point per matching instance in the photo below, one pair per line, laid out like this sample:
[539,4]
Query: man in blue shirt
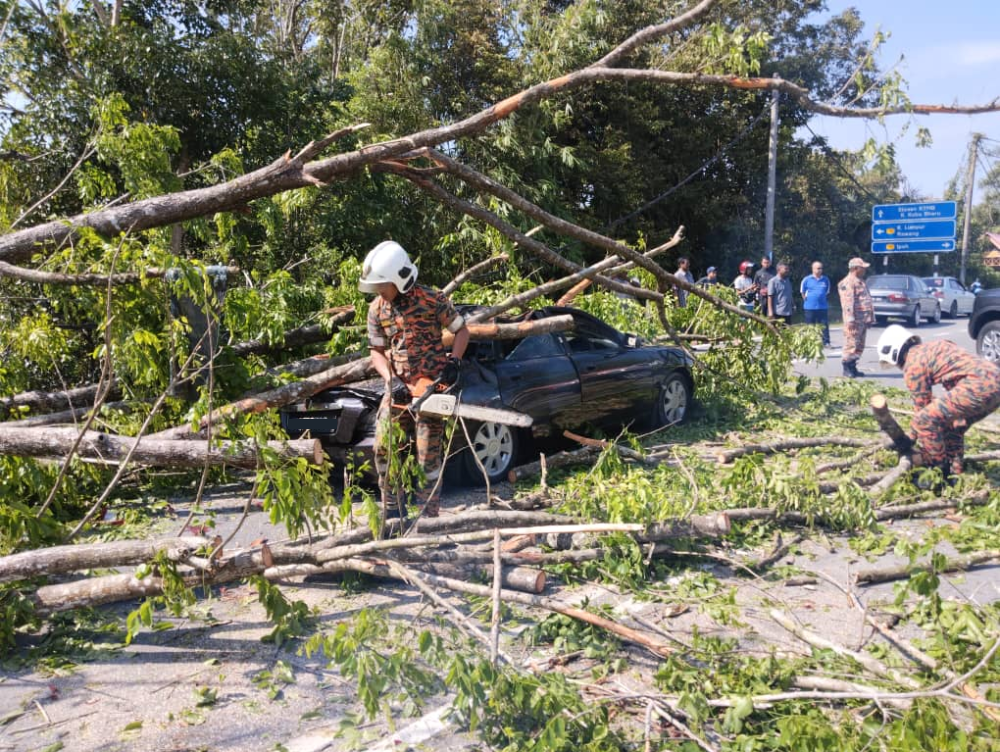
[815,289]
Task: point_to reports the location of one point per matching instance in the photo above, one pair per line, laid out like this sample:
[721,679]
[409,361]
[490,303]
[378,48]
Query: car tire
[936,318]
[496,447]
[673,401]
[880,321]
[953,311]
[915,317]
[988,342]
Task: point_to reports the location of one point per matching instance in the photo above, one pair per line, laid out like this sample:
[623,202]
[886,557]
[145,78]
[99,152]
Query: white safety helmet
[387,262]
[893,342]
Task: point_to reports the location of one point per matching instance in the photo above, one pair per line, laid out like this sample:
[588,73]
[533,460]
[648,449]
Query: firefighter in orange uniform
[405,324]
[972,392]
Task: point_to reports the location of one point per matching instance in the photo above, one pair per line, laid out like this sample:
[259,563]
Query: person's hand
[903,444]
[451,372]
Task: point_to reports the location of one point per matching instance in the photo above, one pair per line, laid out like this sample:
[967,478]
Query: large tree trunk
[103,447]
[519,330]
[282,395]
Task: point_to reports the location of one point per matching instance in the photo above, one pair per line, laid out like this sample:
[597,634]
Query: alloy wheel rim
[494,446]
[991,347]
[674,401]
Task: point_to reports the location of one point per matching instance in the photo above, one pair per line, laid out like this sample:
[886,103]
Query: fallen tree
[110,449]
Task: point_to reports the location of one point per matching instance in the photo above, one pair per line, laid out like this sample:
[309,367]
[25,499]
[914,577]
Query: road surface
[956,330]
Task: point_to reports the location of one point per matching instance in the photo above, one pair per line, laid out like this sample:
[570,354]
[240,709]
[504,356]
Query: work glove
[400,393]
[903,445]
[451,372]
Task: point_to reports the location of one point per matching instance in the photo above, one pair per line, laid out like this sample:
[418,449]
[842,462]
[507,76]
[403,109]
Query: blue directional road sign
[914,212]
[914,246]
[934,229]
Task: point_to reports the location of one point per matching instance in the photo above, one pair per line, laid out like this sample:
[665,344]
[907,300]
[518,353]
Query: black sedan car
[590,376]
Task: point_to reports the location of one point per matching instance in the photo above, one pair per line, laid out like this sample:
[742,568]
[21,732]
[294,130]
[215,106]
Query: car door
[966,300]
[538,378]
[614,376]
[918,290]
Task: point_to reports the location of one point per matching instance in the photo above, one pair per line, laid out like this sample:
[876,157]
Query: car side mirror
[633,340]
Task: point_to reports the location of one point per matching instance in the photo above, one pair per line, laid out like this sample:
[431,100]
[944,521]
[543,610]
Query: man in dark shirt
[762,278]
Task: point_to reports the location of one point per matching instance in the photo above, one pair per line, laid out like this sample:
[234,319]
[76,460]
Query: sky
[951,55]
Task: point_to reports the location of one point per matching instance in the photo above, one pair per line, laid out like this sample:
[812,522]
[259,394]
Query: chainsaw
[429,401]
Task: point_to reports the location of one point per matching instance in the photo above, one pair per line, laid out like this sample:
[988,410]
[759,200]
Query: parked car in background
[954,298]
[984,324]
[590,376]
[903,296]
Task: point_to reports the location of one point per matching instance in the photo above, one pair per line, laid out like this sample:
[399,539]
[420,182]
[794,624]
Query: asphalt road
[956,330]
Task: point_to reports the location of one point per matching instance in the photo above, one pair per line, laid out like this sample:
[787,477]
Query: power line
[718,155]
[836,159]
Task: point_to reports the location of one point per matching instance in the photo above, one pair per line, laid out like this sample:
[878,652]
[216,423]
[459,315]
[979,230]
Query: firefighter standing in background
[973,392]
[405,323]
[859,314]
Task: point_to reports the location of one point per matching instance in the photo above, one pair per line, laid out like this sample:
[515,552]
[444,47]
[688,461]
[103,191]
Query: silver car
[903,296]
[955,299]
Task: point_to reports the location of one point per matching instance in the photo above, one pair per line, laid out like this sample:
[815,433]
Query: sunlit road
[956,330]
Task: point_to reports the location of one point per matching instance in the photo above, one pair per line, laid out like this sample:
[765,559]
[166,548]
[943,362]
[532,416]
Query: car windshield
[888,283]
[934,282]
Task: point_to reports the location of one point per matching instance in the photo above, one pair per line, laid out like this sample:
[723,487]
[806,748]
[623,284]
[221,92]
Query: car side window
[538,346]
[589,334]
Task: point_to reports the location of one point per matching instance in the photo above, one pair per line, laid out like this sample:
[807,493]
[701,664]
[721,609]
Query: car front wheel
[988,342]
[493,450]
[673,401]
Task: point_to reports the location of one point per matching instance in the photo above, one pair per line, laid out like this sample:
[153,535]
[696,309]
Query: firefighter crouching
[405,323]
[972,392]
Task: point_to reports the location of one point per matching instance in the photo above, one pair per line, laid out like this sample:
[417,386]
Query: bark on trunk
[519,330]
[63,559]
[729,455]
[892,429]
[561,459]
[283,395]
[71,416]
[51,401]
[103,447]
[955,564]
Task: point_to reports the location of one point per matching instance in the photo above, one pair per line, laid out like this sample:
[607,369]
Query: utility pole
[970,182]
[772,175]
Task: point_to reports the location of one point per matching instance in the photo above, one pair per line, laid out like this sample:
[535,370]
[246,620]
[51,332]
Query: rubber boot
[848,369]
[854,370]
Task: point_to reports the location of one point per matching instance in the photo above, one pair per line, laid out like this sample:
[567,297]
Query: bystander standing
[711,278]
[683,272]
[815,289]
[763,276]
[780,303]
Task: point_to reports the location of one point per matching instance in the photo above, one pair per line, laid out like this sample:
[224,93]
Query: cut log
[517,330]
[954,564]
[561,459]
[282,395]
[892,429]
[785,445]
[522,579]
[103,447]
[63,559]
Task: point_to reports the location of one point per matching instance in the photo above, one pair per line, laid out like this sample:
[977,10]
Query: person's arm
[460,343]
[380,362]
